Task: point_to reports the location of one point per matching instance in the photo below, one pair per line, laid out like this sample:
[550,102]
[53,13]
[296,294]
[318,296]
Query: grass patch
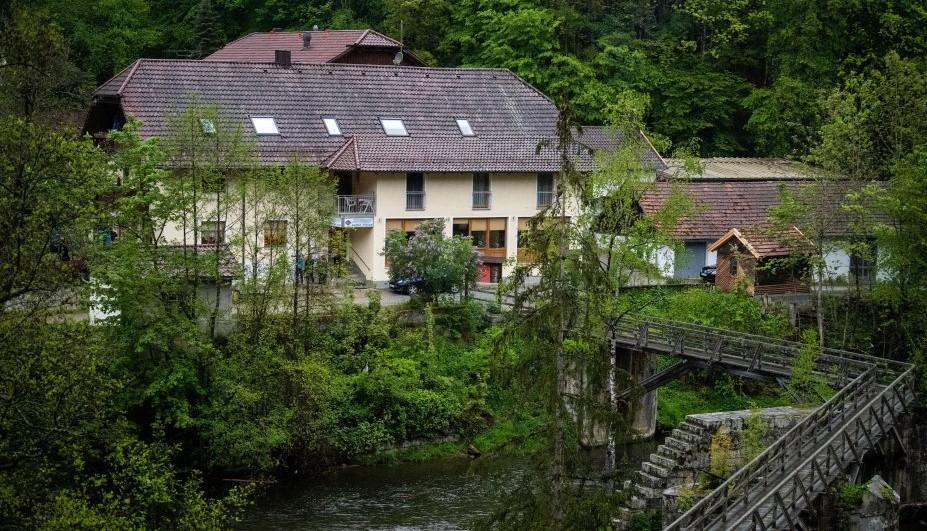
[722,392]
[512,437]
[418,453]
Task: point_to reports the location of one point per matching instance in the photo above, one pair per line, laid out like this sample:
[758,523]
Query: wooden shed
[769,262]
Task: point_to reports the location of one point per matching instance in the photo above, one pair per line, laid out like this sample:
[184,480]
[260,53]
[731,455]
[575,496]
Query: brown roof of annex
[327,46]
[724,205]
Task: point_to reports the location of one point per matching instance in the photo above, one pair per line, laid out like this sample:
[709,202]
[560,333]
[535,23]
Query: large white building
[405,143]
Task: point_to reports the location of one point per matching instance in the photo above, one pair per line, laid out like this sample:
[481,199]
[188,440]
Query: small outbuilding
[768,262]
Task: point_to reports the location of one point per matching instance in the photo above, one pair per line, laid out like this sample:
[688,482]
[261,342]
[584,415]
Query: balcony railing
[545,199]
[357,204]
[482,200]
[415,200]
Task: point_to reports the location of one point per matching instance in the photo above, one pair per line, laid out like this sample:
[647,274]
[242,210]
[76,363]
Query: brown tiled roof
[767,243]
[725,205]
[490,153]
[603,138]
[324,46]
[740,169]
[497,103]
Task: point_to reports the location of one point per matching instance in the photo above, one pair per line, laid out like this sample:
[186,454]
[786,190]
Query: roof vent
[283,58]
[307,38]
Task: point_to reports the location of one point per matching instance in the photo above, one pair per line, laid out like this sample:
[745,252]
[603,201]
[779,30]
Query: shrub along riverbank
[105,424]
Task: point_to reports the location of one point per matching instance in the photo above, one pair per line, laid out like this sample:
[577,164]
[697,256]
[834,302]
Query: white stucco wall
[665,259]
[449,196]
[837,263]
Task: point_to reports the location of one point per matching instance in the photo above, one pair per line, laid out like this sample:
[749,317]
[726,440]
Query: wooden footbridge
[773,490]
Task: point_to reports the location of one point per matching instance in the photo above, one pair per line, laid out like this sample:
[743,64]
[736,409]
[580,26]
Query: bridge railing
[746,352]
[753,479]
[893,365]
[851,440]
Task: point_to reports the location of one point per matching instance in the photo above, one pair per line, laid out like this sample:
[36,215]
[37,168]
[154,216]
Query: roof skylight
[465,128]
[208,126]
[393,127]
[331,124]
[264,125]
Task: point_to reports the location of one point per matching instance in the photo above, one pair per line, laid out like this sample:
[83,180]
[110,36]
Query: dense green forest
[721,78]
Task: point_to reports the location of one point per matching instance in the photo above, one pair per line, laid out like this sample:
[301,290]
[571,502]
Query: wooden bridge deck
[772,490]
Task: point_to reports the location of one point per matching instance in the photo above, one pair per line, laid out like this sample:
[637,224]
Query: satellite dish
[315,27]
[398,58]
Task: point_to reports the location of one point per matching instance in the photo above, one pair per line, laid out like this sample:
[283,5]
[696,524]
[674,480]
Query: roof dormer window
[264,125]
[331,125]
[464,126]
[393,127]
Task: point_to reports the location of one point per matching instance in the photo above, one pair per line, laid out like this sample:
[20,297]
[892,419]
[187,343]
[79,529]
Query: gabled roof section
[372,38]
[114,86]
[603,138]
[324,46]
[497,103]
[767,243]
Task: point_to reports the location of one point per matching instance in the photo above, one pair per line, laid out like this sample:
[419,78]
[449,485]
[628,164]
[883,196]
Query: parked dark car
[411,286]
[708,273]
[408,286]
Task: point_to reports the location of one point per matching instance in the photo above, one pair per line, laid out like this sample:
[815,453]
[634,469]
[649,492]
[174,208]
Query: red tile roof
[725,205]
[324,46]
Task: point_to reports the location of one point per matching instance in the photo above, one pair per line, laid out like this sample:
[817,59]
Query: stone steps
[654,470]
[663,461]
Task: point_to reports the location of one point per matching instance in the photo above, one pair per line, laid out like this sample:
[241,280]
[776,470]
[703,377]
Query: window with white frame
[545,190]
[482,192]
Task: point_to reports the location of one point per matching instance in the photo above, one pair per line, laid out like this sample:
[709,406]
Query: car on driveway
[408,286]
[708,273]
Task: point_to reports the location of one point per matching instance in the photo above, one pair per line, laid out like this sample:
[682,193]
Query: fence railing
[482,200]
[415,200]
[754,354]
[357,204]
[828,434]
[545,199]
[753,478]
[853,437]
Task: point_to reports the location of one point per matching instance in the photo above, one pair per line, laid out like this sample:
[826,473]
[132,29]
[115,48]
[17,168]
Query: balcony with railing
[357,205]
[355,211]
[482,200]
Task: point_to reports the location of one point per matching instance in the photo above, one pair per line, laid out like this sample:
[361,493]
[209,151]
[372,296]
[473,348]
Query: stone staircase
[673,463]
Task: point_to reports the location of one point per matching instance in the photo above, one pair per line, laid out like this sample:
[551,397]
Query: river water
[444,495]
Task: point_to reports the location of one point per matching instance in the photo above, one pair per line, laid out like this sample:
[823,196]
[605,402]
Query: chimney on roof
[283,58]
[307,38]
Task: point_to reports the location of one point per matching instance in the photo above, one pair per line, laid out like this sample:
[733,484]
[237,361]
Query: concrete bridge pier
[637,365]
[632,366]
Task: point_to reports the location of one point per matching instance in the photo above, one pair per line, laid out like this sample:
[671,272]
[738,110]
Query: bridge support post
[639,365]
